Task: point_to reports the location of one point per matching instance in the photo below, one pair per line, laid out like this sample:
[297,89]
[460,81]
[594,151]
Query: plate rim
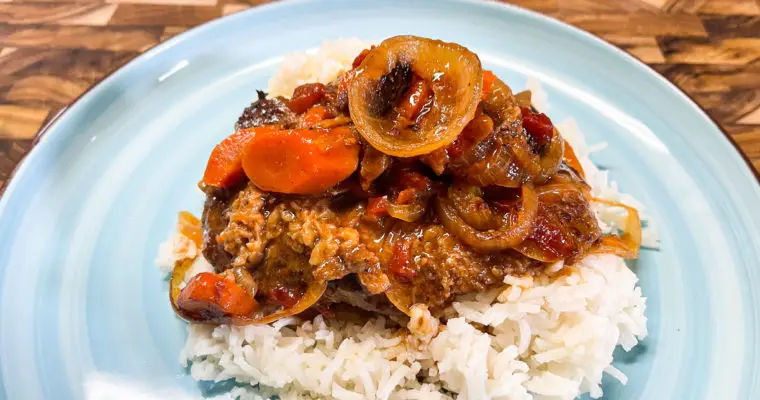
[34,155]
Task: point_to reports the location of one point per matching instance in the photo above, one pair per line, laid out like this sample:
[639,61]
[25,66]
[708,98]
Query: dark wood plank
[90,65]
[734,51]
[695,78]
[11,153]
[20,122]
[80,37]
[638,24]
[61,13]
[152,15]
[732,26]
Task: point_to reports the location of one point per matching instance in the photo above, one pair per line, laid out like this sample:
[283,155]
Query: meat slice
[349,291]
[215,219]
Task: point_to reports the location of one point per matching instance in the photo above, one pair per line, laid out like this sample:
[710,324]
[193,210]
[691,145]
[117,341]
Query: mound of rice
[547,337]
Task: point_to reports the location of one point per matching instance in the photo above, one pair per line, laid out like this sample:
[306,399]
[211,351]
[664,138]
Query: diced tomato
[288,297]
[538,125]
[306,96]
[401,263]
[408,178]
[377,206]
[415,98]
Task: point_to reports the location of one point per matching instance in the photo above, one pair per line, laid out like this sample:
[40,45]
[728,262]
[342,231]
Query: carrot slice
[224,167]
[215,296]
[301,161]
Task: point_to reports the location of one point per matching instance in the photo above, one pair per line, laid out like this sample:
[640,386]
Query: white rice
[547,337]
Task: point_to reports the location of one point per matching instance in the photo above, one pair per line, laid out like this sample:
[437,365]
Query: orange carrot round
[224,167]
[213,295]
[301,161]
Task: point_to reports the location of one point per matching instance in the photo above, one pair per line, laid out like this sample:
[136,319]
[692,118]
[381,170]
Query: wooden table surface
[53,50]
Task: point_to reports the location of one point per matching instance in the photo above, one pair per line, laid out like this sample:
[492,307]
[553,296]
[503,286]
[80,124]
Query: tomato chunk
[400,263]
[377,206]
[538,125]
[306,96]
[415,98]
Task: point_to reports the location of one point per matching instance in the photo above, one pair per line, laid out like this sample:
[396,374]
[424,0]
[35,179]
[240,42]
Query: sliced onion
[501,105]
[313,293]
[454,75]
[628,243]
[472,208]
[505,237]
[178,276]
[401,297]
[524,98]
[407,212]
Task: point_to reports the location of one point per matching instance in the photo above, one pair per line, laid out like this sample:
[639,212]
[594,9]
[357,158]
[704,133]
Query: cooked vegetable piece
[314,116]
[565,226]
[211,296]
[626,245]
[224,167]
[507,235]
[190,226]
[571,160]
[306,96]
[488,80]
[415,98]
[301,161]
[453,74]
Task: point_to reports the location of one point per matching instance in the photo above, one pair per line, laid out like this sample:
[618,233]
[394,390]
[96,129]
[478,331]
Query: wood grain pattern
[53,50]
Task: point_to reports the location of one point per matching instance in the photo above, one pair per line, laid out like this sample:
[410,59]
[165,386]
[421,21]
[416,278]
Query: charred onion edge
[491,240]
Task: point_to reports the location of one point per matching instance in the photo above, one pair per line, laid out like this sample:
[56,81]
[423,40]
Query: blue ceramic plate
[82,218]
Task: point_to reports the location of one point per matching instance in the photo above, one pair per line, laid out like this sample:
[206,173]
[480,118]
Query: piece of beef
[215,219]
[265,111]
[349,291]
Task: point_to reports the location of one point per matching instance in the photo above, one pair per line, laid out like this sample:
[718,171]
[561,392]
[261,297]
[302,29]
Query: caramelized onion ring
[408,212]
[472,208]
[455,77]
[505,237]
